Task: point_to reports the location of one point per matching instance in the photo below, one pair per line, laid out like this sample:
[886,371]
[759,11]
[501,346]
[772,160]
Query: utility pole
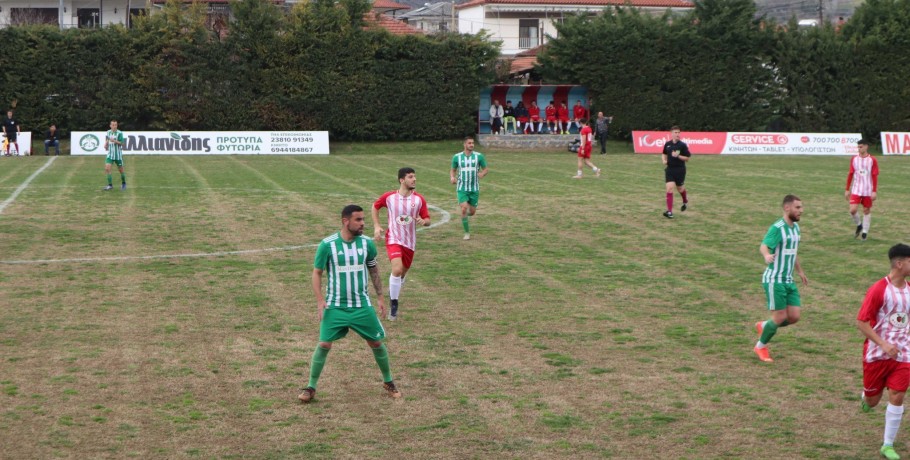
[60,15]
[821,14]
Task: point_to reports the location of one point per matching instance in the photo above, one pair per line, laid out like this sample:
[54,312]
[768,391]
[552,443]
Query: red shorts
[866,201]
[886,373]
[584,151]
[397,251]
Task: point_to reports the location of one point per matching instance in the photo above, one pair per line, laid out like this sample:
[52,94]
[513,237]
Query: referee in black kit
[676,155]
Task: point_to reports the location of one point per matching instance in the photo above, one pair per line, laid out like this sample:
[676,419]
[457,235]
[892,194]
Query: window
[88,17]
[23,16]
[528,33]
[135,13]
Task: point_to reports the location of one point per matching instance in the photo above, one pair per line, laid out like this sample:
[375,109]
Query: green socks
[464,223]
[382,358]
[318,362]
[122,178]
[110,180]
[768,331]
[380,354]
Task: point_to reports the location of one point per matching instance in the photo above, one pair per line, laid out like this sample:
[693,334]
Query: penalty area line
[446,217]
[22,187]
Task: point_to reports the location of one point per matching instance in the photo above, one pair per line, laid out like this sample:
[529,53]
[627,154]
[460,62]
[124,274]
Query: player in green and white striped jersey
[346,258]
[779,249]
[113,143]
[468,167]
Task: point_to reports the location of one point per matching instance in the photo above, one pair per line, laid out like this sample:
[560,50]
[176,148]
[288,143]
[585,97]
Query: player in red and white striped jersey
[862,185]
[883,319]
[407,210]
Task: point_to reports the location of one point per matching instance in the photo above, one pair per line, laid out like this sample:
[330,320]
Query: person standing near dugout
[12,129]
[675,156]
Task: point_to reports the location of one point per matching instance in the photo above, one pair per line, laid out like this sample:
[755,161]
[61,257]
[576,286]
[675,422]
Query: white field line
[446,217]
[22,187]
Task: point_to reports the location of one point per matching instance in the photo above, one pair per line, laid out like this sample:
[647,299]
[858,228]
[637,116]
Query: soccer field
[176,320]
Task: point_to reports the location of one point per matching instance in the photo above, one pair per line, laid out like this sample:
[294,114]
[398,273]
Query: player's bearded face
[356,223]
[410,181]
[795,211]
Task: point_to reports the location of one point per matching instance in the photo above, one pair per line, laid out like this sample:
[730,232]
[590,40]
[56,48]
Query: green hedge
[316,67]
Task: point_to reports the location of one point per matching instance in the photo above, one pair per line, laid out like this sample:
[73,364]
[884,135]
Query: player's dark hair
[789,199]
[349,210]
[898,251]
[863,141]
[675,128]
[467,138]
[404,172]
[508,102]
[583,121]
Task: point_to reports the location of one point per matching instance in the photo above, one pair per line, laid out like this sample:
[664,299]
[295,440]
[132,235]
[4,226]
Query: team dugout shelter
[543,94]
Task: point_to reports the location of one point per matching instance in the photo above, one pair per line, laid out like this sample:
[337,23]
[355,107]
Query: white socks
[856,218]
[394,286]
[867,219]
[893,415]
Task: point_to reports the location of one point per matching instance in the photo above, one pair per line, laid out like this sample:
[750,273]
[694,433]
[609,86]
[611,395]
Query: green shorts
[471,197]
[781,295]
[337,321]
[119,163]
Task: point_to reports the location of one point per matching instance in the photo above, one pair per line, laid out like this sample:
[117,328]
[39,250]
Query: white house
[69,13]
[93,13]
[432,17]
[525,24]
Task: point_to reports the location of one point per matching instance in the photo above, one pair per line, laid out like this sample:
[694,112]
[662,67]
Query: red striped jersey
[863,175]
[403,213]
[886,308]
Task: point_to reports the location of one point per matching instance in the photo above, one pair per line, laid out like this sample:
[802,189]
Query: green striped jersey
[114,151]
[345,264]
[468,166]
[782,241]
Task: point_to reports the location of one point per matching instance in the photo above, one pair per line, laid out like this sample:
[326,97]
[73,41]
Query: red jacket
[551,112]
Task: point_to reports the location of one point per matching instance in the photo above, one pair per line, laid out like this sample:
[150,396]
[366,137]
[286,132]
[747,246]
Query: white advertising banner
[895,143]
[737,143]
[24,139]
[206,142]
[791,143]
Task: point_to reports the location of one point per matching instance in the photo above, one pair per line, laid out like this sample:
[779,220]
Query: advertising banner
[746,143]
[895,143]
[24,139]
[698,142]
[206,142]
